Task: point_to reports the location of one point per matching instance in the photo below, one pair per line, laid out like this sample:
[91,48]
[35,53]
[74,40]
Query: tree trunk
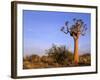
[76,56]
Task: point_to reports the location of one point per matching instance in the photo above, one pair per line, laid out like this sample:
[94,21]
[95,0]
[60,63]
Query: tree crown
[76,29]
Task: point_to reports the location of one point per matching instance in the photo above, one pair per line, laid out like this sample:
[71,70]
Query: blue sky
[41,29]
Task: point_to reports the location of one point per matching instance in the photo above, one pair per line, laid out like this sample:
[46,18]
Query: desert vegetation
[56,56]
[75,30]
[60,56]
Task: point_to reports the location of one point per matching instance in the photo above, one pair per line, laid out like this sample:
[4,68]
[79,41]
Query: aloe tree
[75,30]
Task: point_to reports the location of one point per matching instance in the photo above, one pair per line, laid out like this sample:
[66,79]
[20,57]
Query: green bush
[60,54]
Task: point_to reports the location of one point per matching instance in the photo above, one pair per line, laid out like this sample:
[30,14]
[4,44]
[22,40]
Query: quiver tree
[75,30]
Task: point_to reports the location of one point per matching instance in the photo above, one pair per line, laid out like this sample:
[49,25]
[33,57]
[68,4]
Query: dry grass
[56,57]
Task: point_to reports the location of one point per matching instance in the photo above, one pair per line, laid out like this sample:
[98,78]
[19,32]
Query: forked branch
[77,28]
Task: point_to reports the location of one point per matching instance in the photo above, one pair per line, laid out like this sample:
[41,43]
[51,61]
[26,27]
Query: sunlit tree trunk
[76,56]
[76,29]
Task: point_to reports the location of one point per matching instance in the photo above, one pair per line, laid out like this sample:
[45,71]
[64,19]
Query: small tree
[60,54]
[76,29]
